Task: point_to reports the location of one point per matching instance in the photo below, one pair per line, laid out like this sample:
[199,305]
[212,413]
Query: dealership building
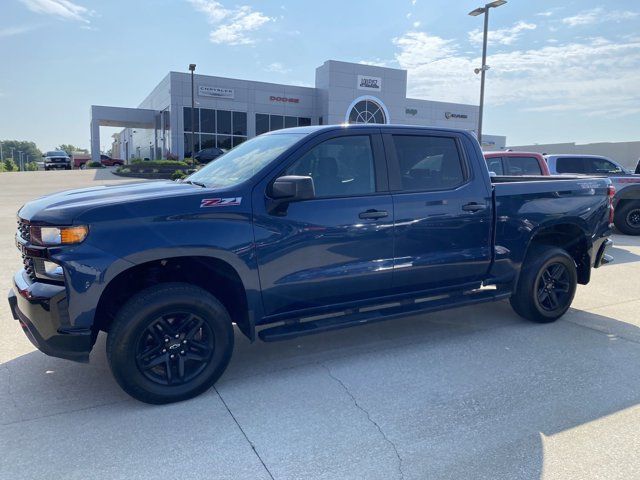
[228,111]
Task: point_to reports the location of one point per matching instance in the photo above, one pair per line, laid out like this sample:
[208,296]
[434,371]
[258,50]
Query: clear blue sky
[560,70]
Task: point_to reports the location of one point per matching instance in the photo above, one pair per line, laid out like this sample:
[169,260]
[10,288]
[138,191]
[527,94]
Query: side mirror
[293,188]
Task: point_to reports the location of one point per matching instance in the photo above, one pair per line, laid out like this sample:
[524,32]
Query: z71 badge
[220,202]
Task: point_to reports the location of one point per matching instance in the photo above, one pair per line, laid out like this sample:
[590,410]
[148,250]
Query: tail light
[611,192]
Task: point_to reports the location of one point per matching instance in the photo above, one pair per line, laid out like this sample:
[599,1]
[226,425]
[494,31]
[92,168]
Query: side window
[600,165]
[524,166]
[495,165]
[341,166]
[570,165]
[428,162]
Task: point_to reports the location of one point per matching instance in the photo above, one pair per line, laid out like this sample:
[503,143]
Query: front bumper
[41,309]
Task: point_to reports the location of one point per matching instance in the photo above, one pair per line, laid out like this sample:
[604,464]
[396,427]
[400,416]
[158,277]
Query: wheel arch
[213,274]
[571,237]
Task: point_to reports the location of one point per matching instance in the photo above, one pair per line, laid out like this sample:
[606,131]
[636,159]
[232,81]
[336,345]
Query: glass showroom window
[367,111]
[268,123]
[213,128]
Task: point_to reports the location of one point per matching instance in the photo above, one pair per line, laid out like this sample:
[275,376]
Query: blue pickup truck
[296,232]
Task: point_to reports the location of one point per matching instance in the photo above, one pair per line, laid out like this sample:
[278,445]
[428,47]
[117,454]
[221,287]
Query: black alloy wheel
[175,348]
[553,288]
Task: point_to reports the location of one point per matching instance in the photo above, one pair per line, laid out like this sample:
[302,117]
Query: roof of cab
[361,126]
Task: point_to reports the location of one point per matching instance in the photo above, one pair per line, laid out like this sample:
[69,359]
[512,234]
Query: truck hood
[63,207]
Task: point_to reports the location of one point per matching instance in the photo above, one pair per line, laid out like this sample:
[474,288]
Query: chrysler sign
[218,92]
[369,83]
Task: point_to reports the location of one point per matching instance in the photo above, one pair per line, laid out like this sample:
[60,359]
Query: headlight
[58,235]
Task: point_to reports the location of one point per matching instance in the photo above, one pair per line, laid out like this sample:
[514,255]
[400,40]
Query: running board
[365,315]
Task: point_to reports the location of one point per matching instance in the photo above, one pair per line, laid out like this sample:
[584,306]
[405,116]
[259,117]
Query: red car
[516,163]
[80,161]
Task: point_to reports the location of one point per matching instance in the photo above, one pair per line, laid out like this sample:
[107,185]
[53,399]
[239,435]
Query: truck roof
[359,126]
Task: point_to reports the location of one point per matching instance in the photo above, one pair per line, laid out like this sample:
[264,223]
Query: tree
[27,148]
[69,148]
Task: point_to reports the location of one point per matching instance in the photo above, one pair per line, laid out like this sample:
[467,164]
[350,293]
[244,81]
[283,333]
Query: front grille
[29,267]
[24,230]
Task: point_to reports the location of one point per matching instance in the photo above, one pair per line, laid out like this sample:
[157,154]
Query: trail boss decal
[220,202]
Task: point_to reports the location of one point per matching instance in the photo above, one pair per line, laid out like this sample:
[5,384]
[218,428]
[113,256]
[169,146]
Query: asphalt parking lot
[468,393]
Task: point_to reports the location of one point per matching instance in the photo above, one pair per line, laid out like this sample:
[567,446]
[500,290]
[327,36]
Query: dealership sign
[369,83]
[218,92]
[449,115]
[273,98]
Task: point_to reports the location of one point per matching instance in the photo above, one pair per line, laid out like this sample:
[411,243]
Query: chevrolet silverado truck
[295,232]
[627,184]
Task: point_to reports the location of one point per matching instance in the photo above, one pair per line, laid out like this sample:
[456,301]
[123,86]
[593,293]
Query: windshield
[243,161]
[56,153]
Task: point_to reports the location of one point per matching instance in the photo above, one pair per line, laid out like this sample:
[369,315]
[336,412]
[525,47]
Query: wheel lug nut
[184,342]
[173,356]
[177,336]
[164,350]
[166,340]
[181,352]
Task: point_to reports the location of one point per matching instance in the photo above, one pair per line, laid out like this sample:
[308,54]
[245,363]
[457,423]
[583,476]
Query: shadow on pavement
[467,393]
[621,255]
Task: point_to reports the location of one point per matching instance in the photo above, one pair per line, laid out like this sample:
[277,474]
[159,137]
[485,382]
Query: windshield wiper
[199,184]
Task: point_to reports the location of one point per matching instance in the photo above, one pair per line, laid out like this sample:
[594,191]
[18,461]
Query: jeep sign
[369,83]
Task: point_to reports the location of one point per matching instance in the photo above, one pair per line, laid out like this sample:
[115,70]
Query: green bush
[31,166]
[136,160]
[178,175]
[10,165]
[95,165]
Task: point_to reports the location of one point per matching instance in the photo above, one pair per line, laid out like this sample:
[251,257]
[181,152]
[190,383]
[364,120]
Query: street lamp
[483,69]
[192,68]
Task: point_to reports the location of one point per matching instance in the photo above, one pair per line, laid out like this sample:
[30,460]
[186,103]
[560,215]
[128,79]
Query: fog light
[52,269]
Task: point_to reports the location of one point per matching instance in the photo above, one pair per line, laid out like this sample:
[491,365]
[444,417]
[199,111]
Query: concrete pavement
[468,393]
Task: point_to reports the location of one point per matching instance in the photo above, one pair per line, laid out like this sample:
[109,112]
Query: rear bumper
[42,311]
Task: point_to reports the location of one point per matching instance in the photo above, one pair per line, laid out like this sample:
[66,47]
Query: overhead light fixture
[496,3]
[476,12]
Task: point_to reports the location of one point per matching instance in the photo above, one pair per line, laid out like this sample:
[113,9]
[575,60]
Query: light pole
[1,153]
[483,69]
[192,68]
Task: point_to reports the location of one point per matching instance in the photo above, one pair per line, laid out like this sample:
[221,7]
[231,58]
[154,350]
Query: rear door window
[523,166]
[428,162]
[571,165]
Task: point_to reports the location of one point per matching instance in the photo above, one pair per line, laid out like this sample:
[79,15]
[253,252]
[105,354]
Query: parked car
[626,183]
[294,232]
[516,163]
[81,160]
[57,160]
[208,154]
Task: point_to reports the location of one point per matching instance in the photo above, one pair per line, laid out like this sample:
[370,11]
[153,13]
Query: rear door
[337,247]
[443,210]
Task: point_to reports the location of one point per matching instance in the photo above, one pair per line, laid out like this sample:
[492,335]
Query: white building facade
[228,111]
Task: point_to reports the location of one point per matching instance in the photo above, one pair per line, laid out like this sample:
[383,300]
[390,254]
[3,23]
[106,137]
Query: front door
[443,213]
[337,247]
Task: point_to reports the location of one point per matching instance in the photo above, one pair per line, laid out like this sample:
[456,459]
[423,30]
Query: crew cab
[294,232]
[626,183]
[57,160]
[511,163]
